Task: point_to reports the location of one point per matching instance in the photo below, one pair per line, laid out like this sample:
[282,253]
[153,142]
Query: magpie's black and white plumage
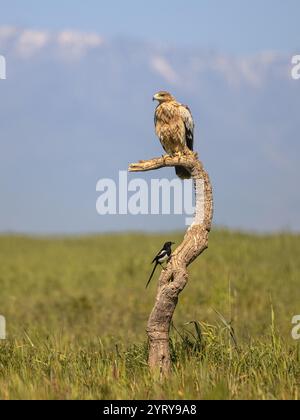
[163,255]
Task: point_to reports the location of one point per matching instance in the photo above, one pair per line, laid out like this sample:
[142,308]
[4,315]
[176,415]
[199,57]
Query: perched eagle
[174,126]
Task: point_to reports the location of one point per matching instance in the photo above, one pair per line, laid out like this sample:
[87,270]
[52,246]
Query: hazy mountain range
[76,107]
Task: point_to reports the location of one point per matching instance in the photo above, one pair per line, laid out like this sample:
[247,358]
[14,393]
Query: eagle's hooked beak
[155,97]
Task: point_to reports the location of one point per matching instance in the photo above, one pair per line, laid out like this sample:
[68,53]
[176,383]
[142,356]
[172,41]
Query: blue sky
[72,99]
[239,26]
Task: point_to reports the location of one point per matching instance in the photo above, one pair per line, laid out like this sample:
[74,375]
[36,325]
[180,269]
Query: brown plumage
[174,127]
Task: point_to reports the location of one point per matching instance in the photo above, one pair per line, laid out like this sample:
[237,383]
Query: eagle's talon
[165,157]
[180,156]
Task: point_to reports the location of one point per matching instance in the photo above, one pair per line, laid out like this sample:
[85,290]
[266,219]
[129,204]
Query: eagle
[174,126]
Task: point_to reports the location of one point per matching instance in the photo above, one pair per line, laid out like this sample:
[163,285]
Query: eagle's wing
[188,121]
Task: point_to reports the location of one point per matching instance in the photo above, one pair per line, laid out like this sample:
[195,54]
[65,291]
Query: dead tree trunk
[173,280]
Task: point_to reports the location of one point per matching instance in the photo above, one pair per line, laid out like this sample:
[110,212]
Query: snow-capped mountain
[77,106]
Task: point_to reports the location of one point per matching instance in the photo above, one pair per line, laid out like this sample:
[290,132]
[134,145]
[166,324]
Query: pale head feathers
[163,96]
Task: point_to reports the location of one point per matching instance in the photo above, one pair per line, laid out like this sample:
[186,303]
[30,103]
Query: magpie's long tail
[152,274]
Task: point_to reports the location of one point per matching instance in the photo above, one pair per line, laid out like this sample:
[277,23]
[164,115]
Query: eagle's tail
[182,173]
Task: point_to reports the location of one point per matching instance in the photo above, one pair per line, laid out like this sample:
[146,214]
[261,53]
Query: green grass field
[76,312]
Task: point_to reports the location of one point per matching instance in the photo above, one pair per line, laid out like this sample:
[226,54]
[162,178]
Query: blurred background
[76,106]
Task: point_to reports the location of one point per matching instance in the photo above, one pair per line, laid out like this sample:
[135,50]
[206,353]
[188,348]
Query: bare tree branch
[173,280]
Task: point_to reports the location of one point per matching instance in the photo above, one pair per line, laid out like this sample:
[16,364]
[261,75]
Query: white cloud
[6,33]
[253,70]
[30,42]
[236,70]
[164,69]
[78,42]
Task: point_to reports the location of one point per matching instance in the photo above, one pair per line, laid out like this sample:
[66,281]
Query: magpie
[163,255]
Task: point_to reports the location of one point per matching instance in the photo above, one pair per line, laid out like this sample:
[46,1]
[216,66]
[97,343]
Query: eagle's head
[163,96]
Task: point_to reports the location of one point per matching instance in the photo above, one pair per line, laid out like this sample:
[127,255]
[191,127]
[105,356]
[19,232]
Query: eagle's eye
[162,96]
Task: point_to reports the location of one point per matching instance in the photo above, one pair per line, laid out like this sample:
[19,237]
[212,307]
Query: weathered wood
[173,280]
